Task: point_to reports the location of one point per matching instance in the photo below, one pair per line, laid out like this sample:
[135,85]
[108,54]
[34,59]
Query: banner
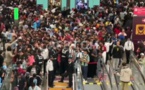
[138,29]
[139,11]
[16,13]
[80,4]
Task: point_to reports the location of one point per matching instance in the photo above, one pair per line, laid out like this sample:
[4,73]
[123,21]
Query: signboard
[138,29]
[16,13]
[80,4]
[139,11]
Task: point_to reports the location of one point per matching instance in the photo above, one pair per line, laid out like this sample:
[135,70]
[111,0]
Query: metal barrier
[133,58]
[74,81]
[78,81]
[104,69]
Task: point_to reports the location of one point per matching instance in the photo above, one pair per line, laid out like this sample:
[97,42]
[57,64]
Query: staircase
[60,85]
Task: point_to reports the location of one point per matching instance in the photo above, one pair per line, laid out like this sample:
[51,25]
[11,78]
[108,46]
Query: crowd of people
[46,42]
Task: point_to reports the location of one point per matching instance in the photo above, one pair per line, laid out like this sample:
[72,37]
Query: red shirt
[104,49]
[117,31]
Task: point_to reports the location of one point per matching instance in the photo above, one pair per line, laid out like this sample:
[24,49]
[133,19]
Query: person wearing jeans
[84,63]
[117,55]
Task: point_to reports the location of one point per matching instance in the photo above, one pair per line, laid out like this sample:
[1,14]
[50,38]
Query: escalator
[104,82]
[138,80]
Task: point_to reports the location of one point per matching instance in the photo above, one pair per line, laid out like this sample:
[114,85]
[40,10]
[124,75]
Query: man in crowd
[69,72]
[128,46]
[117,55]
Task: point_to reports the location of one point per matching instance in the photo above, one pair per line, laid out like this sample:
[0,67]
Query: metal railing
[104,69]
[77,77]
[137,65]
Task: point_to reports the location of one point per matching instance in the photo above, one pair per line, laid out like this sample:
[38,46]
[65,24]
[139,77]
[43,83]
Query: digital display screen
[82,4]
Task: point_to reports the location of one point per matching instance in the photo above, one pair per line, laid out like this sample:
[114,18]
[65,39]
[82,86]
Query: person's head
[124,64]
[70,59]
[20,75]
[1,52]
[33,84]
[142,55]
[128,39]
[9,48]
[118,43]
[85,52]
[34,75]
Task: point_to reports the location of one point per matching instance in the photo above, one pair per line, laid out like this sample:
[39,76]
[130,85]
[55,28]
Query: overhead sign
[139,11]
[138,29]
[16,13]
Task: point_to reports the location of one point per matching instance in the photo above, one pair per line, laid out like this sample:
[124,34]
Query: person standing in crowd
[8,56]
[34,69]
[35,79]
[39,59]
[21,82]
[104,51]
[93,62]
[125,76]
[64,59]
[50,72]
[53,55]
[1,58]
[34,87]
[128,47]
[84,63]
[117,55]
[45,54]
[108,44]
[69,72]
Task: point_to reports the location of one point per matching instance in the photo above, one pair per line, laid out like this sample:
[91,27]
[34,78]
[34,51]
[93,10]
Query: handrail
[137,65]
[115,77]
[74,81]
[108,74]
[78,79]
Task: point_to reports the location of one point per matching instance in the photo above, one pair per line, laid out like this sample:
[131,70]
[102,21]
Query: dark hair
[33,84]
[124,64]
[9,48]
[1,51]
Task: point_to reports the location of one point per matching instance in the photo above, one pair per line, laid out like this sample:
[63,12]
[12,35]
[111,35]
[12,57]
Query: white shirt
[35,88]
[79,54]
[97,45]
[107,45]
[45,53]
[129,45]
[49,66]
